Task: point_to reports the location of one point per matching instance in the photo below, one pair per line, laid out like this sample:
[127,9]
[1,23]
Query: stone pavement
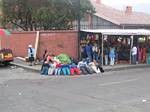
[36,68]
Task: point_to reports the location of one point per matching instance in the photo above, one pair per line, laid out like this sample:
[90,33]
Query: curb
[30,68]
[26,67]
[127,67]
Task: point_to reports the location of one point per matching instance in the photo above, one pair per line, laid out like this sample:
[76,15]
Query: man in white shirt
[134,55]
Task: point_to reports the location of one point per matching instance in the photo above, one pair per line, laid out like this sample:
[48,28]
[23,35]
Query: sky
[138,5]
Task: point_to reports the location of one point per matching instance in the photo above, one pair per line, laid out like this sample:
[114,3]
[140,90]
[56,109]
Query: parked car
[6,56]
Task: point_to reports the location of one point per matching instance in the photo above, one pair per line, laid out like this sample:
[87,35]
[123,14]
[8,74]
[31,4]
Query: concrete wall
[55,42]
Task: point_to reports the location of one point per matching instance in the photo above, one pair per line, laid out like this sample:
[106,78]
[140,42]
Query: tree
[43,14]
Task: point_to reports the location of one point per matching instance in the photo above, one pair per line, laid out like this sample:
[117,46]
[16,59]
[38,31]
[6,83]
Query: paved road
[121,91]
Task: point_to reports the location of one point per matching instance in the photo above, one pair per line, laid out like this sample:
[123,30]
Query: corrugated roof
[120,17]
[119,31]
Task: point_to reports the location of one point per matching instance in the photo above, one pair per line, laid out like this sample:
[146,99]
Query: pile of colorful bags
[63,65]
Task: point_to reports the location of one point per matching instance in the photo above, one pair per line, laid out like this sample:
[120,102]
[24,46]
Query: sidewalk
[36,68]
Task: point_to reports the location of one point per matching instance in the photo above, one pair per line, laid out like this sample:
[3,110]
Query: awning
[119,31]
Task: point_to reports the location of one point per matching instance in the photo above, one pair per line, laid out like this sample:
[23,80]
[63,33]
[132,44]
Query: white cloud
[125,2]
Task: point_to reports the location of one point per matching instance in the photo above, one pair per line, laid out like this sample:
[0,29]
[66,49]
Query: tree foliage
[44,14]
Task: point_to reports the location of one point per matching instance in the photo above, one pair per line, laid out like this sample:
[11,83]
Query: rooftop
[120,17]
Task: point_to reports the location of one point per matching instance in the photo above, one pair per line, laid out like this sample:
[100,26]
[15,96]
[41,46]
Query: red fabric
[74,70]
[58,65]
[77,71]
[144,55]
[2,32]
[49,58]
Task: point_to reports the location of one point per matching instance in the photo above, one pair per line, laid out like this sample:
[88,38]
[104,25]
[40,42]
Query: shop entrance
[120,40]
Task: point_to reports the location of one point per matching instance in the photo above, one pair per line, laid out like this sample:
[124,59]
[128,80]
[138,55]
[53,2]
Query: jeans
[148,58]
[95,56]
[106,59]
[57,71]
[133,60]
[100,59]
[66,71]
[89,54]
[112,60]
[44,70]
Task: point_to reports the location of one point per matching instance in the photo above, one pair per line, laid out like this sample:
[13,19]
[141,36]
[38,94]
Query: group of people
[91,60]
[63,65]
[58,65]
[140,54]
[93,52]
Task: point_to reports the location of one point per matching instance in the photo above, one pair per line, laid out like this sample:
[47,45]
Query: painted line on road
[118,82]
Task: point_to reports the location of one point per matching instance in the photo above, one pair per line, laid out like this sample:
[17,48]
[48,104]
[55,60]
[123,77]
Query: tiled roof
[120,17]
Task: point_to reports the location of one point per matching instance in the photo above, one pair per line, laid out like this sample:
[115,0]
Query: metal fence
[96,27]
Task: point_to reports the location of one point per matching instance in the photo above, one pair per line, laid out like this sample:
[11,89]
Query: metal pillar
[102,49]
[131,47]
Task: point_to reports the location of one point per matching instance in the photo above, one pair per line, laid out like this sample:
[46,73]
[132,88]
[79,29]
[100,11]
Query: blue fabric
[106,51]
[88,49]
[65,65]
[112,61]
[106,59]
[89,54]
[57,71]
[133,60]
[44,70]
[72,66]
[112,53]
[148,58]
[95,56]
[100,59]
[66,71]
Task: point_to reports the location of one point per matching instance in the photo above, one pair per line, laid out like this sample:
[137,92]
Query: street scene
[118,91]
[74,56]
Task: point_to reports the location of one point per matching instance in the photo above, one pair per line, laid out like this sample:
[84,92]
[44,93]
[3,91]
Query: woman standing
[112,56]
[144,54]
[106,53]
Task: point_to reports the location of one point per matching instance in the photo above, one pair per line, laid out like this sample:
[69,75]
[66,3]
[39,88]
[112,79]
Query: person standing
[134,55]
[139,54]
[88,50]
[83,53]
[148,55]
[106,53]
[95,52]
[112,56]
[31,55]
[144,54]
[100,55]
